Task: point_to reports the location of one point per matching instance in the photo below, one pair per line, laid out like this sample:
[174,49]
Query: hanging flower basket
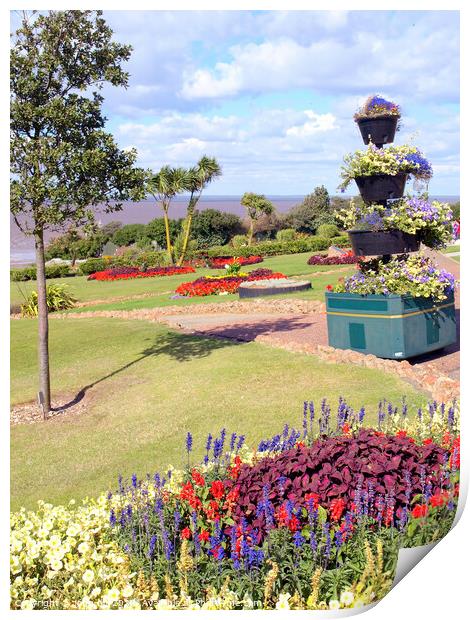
[379,242]
[380,187]
[379,130]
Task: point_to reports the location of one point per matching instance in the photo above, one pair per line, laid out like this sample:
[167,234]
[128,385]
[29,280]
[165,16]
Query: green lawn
[161,289]
[452,248]
[147,387]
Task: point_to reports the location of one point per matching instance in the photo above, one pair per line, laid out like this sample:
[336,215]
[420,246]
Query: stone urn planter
[381,187]
[374,243]
[390,327]
[379,130]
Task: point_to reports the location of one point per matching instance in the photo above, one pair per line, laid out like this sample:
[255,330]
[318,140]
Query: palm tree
[164,186]
[205,171]
[256,205]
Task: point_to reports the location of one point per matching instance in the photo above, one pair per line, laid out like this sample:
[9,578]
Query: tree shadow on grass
[180,347]
[186,347]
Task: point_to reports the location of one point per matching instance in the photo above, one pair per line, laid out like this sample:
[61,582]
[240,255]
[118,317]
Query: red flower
[198,478]
[346,428]
[300,444]
[204,535]
[419,511]
[437,500]
[337,507]
[312,498]
[186,533]
[217,489]
[294,524]
[427,441]
[329,287]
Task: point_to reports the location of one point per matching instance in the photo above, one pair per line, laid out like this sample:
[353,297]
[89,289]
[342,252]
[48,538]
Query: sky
[271,94]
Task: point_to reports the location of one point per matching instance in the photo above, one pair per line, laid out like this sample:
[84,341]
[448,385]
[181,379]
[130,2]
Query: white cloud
[418,61]
[317,123]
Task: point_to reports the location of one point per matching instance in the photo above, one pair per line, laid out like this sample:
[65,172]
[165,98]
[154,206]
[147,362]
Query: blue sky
[271,94]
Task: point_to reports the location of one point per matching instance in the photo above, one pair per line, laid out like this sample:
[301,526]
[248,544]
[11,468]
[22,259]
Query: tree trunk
[167,234]
[43,331]
[186,238]
[250,232]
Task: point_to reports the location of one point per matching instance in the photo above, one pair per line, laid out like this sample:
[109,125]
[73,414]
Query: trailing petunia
[390,160]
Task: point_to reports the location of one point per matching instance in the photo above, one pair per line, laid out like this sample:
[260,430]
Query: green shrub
[239,241]
[213,227]
[94,264]
[129,234]
[29,273]
[286,234]
[22,275]
[151,259]
[273,248]
[327,230]
[342,241]
[58,298]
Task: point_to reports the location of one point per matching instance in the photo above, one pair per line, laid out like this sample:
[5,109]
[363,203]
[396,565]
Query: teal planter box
[393,327]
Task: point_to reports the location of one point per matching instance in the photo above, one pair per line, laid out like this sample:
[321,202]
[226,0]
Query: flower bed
[219,262]
[127,273]
[223,285]
[348,258]
[244,529]
[413,275]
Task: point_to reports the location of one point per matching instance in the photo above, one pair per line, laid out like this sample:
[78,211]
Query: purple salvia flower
[338,539]
[299,540]
[241,439]
[197,542]
[189,442]
[232,441]
[134,481]
[151,549]
[177,518]
[313,541]
[112,518]
[362,413]
[327,534]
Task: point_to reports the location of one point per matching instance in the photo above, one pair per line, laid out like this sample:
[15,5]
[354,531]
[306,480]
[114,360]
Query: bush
[315,210]
[58,298]
[328,231]
[273,248]
[151,259]
[286,234]
[342,241]
[239,241]
[29,273]
[129,234]
[72,246]
[155,230]
[94,264]
[213,227]
[346,259]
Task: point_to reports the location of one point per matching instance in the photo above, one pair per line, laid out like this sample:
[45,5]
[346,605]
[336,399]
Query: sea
[22,246]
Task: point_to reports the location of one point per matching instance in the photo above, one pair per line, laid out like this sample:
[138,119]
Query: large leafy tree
[63,162]
[164,186]
[256,205]
[204,172]
[315,209]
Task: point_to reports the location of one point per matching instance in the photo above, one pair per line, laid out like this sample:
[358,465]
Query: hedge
[29,273]
[273,248]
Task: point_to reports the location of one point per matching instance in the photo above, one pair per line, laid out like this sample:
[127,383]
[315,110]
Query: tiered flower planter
[388,326]
[379,130]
